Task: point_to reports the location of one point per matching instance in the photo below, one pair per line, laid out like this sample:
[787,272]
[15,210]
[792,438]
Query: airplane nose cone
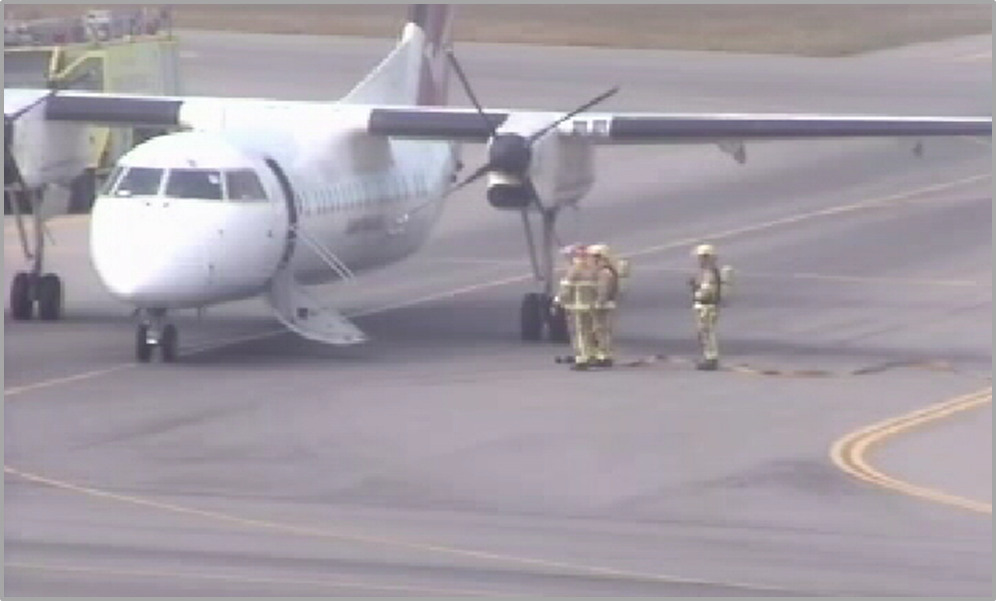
[149,258]
[155,284]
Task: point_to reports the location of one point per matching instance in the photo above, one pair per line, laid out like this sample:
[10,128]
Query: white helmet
[599,250]
[705,250]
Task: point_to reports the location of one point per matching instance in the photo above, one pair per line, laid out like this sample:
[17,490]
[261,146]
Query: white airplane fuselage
[337,201]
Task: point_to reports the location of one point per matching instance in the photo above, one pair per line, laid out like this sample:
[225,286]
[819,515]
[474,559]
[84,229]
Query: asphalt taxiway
[447,458]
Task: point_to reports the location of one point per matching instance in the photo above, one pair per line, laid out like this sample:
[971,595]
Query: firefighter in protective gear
[578,296]
[707,293]
[606,302]
[573,253]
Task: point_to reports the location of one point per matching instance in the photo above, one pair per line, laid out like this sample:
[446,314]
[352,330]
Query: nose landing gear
[156,332]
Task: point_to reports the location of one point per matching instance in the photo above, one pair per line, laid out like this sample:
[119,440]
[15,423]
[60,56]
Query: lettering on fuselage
[363,196]
[366,224]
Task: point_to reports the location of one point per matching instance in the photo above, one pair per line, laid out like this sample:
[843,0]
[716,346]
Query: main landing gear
[156,332]
[540,318]
[33,292]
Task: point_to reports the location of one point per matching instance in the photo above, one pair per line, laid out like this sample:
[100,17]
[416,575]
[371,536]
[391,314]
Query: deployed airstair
[296,308]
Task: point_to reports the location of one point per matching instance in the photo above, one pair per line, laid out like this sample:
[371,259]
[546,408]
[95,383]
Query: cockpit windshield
[244,186]
[195,184]
[241,185]
[137,181]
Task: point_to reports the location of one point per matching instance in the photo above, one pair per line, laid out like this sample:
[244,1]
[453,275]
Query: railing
[326,255]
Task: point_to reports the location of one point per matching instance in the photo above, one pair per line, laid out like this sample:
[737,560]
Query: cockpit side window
[244,186]
[196,184]
[109,184]
[137,181]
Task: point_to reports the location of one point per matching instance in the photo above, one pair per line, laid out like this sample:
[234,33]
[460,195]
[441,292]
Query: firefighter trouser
[707,318]
[603,334]
[583,336]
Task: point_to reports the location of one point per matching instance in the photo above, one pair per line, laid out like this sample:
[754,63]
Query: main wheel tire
[557,325]
[532,318]
[143,350]
[169,344]
[22,306]
[50,298]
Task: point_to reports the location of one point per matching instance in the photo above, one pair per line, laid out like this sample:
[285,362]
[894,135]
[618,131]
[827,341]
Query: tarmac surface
[447,458]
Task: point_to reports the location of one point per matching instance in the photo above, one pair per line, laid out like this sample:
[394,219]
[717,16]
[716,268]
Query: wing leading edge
[95,108]
[621,128]
[465,125]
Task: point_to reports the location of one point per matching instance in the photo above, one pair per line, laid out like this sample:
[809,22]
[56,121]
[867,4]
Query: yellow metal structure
[146,65]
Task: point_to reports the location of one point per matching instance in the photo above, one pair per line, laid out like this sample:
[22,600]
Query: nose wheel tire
[166,342]
[22,306]
[143,347]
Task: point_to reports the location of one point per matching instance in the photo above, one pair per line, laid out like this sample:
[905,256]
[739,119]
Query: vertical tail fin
[435,22]
[417,72]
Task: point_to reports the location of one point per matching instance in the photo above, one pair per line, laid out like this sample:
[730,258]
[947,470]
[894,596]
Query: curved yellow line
[850,453]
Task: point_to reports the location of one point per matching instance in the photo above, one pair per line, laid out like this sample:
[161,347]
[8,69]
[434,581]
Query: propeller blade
[469,89]
[583,108]
[493,128]
[481,172]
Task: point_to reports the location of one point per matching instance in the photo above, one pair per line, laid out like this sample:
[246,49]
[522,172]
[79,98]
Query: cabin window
[137,181]
[195,184]
[244,186]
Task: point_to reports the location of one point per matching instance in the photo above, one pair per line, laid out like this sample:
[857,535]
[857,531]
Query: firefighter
[707,294]
[607,279]
[577,296]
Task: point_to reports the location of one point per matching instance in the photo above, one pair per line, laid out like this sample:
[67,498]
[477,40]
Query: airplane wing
[91,107]
[457,124]
[44,139]
[642,128]
[46,135]
[469,126]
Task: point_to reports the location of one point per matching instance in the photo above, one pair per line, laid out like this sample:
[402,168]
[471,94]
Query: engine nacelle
[510,192]
[554,172]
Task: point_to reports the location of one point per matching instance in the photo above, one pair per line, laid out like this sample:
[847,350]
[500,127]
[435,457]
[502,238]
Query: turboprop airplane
[253,198]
